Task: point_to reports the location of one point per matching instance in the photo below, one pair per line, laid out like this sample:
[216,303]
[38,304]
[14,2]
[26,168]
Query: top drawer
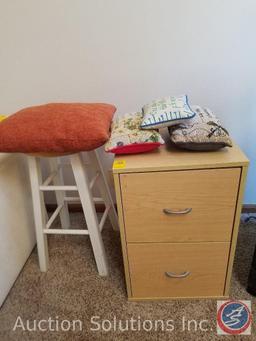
[180,206]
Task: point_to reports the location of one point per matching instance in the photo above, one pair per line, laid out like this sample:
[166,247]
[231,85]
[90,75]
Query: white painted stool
[54,182]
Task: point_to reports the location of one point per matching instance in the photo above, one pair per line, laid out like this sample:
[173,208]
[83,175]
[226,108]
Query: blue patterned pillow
[166,112]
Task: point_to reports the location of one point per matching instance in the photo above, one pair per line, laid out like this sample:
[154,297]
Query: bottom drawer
[177,270]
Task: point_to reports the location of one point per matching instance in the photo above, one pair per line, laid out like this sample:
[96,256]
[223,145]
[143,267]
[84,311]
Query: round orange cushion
[57,127]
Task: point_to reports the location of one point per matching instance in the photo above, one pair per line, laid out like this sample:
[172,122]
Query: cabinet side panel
[235,228]
[122,232]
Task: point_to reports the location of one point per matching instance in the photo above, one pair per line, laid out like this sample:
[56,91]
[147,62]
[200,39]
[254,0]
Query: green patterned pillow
[128,138]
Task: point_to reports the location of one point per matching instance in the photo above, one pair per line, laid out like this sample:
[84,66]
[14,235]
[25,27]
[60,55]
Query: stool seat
[83,185]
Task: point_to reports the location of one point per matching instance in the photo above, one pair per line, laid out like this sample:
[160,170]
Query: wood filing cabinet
[179,216]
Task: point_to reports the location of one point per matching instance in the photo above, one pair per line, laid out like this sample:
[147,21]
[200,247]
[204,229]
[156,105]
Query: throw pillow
[203,132]
[128,138]
[57,128]
[166,112]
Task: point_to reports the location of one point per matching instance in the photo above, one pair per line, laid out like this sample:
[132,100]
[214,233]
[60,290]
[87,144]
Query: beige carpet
[72,290]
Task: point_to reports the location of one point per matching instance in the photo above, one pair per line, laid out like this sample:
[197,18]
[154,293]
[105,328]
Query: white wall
[130,52]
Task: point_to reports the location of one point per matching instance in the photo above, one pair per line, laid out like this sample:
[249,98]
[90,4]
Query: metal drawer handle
[173,275]
[185,211]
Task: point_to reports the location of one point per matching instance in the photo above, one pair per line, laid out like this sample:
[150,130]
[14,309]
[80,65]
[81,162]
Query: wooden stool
[54,182]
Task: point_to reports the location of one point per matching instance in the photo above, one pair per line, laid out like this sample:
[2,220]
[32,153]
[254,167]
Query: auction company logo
[234,317]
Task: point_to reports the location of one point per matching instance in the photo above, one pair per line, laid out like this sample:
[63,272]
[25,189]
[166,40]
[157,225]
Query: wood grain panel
[211,194]
[206,262]
[168,157]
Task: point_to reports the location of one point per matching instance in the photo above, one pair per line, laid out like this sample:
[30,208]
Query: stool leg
[39,211]
[104,188]
[85,194]
[60,195]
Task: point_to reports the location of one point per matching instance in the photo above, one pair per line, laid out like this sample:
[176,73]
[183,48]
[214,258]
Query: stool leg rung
[54,216]
[50,178]
[98,200]
[66,231]
[58,188]
[77,199]
[94,179]
[72,199]
[55,166]
[104,217]
[104,188]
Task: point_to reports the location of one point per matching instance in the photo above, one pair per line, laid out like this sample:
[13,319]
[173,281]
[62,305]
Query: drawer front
[178,270]
[180,206]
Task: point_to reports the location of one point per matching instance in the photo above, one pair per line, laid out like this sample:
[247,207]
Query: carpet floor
[72,290]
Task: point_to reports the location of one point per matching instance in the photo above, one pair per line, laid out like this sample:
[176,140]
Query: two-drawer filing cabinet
[179,216]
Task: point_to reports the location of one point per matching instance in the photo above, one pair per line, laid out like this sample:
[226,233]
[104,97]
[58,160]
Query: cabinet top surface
[168,157]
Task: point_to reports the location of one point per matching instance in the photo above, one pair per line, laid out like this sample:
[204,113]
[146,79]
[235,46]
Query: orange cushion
[57,127]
